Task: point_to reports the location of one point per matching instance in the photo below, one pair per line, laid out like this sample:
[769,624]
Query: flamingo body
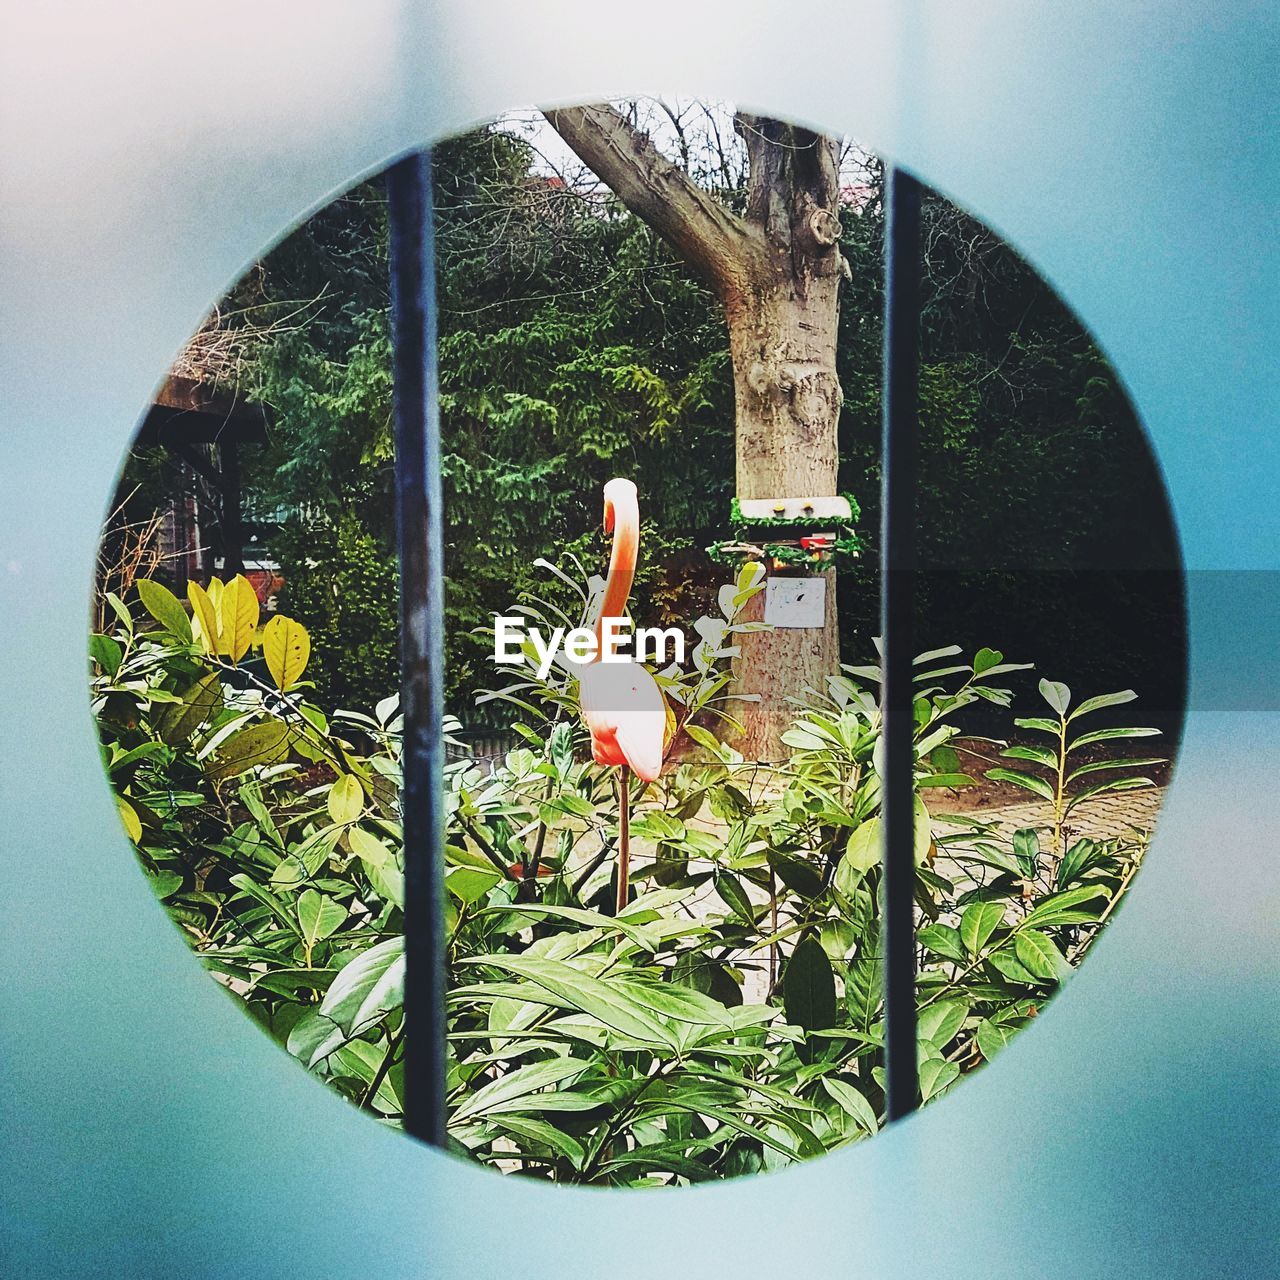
[621,702]
[625,712]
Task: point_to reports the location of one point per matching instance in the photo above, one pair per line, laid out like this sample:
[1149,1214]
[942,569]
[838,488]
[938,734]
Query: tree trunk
[776,270]
[782,342]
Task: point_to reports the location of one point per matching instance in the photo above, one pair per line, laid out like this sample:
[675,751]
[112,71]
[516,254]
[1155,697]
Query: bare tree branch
[716,243]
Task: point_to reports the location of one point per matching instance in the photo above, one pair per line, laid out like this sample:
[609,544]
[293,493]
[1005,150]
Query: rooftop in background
[187,411]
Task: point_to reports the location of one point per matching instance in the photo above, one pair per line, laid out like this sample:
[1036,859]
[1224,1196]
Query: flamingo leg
[624,837]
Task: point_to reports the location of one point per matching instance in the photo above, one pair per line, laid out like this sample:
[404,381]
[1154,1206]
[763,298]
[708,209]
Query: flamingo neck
[623,513]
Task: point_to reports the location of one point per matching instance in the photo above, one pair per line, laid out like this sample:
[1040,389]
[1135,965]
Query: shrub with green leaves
[730,1019]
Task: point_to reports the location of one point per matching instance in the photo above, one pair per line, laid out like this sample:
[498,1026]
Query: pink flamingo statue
[621,702]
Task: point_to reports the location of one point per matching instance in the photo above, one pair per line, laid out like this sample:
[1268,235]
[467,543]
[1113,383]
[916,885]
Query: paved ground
[1104,818]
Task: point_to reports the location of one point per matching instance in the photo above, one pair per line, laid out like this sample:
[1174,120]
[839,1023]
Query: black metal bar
[232,524]
[897,590]
[419,525]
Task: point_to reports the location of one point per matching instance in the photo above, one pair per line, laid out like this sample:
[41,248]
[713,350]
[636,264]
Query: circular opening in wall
[662,874]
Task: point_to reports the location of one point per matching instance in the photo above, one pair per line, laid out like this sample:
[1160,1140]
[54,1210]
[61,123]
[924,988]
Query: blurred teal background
[149,153]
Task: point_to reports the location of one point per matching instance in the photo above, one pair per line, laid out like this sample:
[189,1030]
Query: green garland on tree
[742,524]
[741,547]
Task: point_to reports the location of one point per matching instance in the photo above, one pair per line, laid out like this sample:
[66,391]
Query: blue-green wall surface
[151,151]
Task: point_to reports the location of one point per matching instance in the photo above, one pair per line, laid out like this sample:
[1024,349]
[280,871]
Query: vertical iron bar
[897,571]
[419,528]
[231,498]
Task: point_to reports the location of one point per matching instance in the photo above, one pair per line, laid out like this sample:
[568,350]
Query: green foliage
[1041,513]
[728,1020]
[343,583]
[1056,776]
[574,346]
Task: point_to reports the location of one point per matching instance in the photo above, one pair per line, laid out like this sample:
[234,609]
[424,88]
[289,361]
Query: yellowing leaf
[164,607]
[286,646]
[238,614]
[346,799]
[206,617]
[669,723]
[129,816]
[921,830]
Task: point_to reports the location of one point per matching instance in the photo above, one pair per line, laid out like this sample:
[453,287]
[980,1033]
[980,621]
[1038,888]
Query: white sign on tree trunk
[795,602]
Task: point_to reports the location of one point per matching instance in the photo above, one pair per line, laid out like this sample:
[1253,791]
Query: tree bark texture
[776,270]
